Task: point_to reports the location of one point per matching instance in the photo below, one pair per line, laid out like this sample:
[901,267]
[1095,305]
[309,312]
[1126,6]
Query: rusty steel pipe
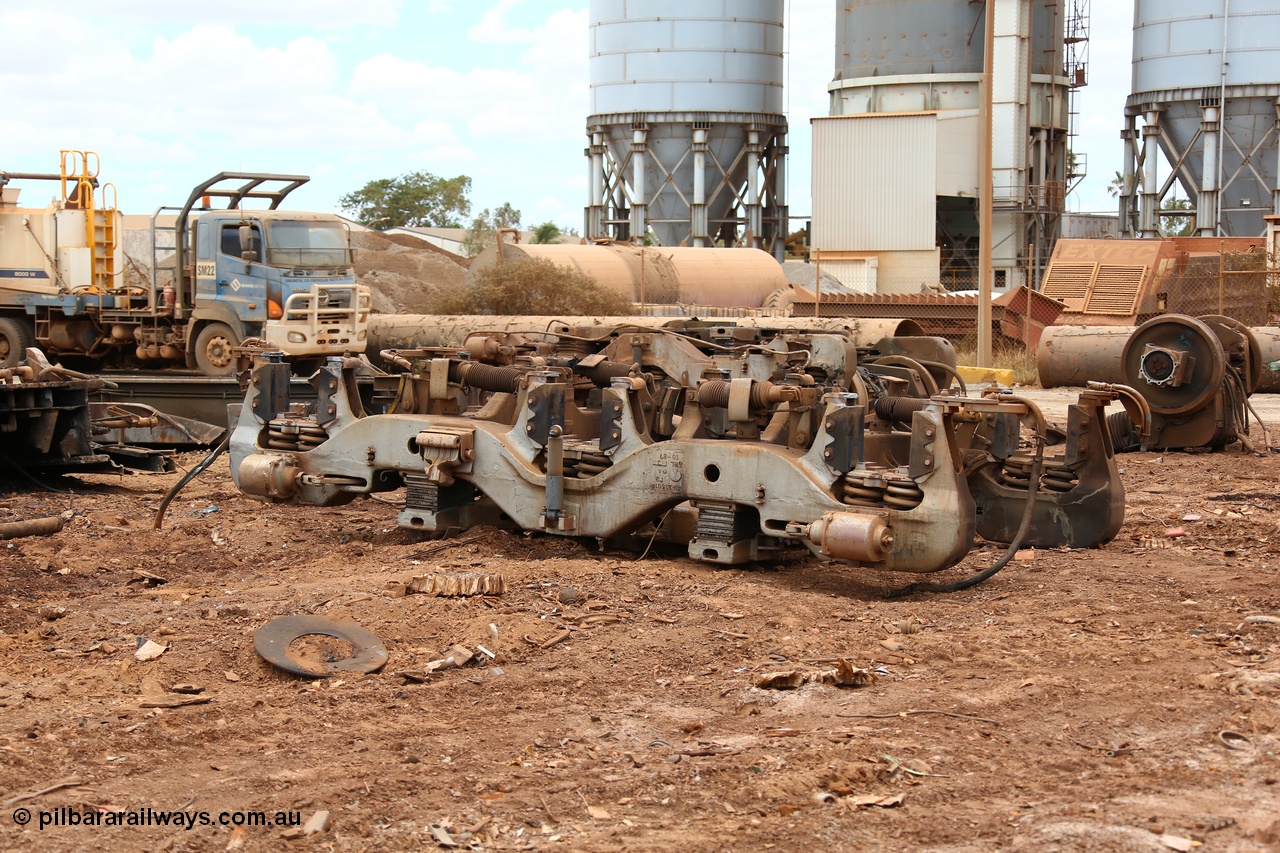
[31,527]
[1075,355]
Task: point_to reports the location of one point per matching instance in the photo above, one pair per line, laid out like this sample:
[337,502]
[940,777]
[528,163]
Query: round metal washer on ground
[273,639]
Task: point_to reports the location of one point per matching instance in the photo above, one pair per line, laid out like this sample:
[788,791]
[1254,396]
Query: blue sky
[351,90]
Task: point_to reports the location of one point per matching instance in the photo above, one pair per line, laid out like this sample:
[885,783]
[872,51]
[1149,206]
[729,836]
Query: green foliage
[531,286]
[416,199]
[484,228]
[547,232]
[1117,185]
[1177,226]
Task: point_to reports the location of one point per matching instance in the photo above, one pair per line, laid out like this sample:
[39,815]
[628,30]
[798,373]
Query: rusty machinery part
[1074,355]
[1024,527]
[1078,498]
[773,441]
[1176,361]
[416,331]
[1244,353]
[1268,338]
[1196,375]
[273,640]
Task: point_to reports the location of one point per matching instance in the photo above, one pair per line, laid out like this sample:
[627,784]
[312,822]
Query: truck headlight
[297,338]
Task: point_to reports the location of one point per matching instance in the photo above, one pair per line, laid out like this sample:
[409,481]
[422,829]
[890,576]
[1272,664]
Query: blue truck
[219,275]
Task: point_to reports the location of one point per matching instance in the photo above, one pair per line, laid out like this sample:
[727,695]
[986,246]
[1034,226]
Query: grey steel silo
[687,136]
[1206,92]
[895,59]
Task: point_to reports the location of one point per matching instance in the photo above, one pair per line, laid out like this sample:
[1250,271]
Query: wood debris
[845,674]
[459,584]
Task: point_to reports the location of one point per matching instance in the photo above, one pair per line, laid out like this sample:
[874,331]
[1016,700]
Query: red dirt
[1073,702]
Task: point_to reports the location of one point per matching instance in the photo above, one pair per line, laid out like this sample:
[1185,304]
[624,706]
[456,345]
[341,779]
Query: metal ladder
[80,169]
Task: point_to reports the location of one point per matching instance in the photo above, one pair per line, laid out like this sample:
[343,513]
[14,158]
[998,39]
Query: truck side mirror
[247,250]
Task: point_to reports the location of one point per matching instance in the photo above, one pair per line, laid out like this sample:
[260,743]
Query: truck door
[240,281]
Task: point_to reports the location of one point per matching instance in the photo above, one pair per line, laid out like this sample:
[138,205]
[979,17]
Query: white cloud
[493,28]
[321,14]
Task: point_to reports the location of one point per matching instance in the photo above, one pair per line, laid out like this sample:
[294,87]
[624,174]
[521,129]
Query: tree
[1117,185]
[1177,226]
[484,228]
[547,232]
[416,199]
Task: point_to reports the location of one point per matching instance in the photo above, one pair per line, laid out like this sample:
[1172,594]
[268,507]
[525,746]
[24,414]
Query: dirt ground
[1112,699]
[403,272]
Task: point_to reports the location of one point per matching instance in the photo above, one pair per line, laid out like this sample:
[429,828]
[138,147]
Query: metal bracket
[326,385]
[272,383]
[546,405]
[610,423]
[844,426]
[1005,435]
[444,449]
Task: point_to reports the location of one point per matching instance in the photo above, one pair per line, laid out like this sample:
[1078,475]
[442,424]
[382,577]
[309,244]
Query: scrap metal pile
[48,423]
[739,440]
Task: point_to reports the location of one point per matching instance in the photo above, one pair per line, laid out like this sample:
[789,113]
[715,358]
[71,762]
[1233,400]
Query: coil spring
[903,494]
[1016,474]
[295,434]
[590,464]
[897,493]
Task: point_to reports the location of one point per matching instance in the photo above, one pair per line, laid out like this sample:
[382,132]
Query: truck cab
[218,276]
[286,277]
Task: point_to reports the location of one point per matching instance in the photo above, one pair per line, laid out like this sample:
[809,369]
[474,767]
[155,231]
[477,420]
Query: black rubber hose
[190,475]
[1028,510]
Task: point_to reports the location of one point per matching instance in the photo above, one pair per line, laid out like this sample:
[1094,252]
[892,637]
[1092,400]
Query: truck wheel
[15,336]
[213,350]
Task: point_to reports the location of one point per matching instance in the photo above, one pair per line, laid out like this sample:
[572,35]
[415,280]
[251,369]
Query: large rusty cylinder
[1269,344]
[1074,355]
[486,377]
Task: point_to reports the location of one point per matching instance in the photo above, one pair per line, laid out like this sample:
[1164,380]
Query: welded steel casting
[734,440]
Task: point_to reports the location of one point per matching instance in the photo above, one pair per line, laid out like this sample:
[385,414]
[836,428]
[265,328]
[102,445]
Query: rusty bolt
[802,437]
[831,424]
[928,462]
[617,433]
[827,454]
[928,433]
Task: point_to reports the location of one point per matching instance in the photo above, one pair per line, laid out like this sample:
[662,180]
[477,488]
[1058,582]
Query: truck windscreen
[307,244]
